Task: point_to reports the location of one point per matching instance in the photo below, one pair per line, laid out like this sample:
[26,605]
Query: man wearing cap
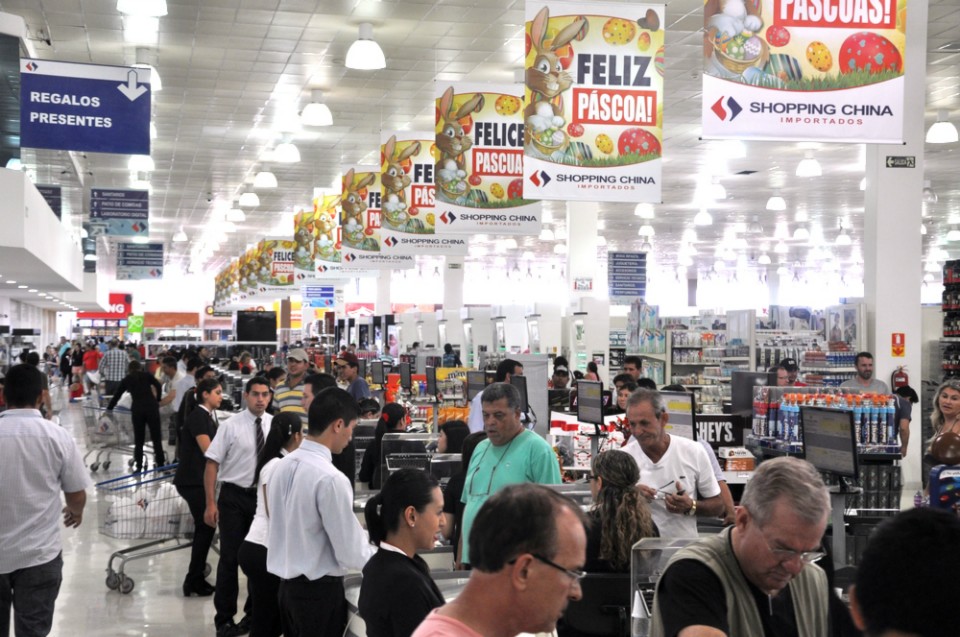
[348,370]
[288,395]
[790,364]
[560,379]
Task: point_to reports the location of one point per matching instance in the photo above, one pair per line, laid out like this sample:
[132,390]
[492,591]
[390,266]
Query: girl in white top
[284,436]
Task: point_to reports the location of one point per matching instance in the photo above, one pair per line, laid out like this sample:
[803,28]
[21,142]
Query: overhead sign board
[85,107]
[317,296]
[119,212]
[139,261]
[627,276]
[53,195]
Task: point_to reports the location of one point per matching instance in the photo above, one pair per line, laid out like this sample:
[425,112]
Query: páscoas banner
[479,155]
[824,70]
[593,103]
[406,183]
[274,268]
[360,210]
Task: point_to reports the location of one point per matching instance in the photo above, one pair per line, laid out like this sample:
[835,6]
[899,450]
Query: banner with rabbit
[317,235]
[407,192]
[479,162]
[795,71]
[593,101]
[273,262]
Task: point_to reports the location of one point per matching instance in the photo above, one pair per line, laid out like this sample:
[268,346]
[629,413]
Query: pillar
[581,248]
[381,304]
[453,284]
[892,245]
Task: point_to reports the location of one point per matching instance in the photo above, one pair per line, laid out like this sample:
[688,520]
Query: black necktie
[259,437]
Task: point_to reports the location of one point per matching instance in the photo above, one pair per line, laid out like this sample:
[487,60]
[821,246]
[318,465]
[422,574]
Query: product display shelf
[950,343]
[618,350]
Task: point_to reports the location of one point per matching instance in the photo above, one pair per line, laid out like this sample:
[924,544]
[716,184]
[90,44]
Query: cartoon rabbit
[395,181]
[353,206]
[451,140]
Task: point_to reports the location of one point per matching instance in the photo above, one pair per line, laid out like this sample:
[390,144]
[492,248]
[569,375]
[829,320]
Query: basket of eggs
[740,52]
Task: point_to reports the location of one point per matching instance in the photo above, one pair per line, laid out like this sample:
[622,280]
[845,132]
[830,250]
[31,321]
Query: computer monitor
[558,399]
[405,379]
[590,402]
[681,413]
[830,441]
[376,372]
[431,374]
[476,381]
[742,385]
[444,466]
[520,382]
[362,367]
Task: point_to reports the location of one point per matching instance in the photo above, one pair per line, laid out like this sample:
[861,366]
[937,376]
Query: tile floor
[155,607]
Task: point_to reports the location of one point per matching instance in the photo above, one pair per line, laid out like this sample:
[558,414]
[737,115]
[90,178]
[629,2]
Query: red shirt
[91,360]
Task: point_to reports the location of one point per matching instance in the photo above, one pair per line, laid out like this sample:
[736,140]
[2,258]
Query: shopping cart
[106,432]
[142,506]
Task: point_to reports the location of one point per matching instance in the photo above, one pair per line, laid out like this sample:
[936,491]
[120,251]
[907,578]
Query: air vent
[950,47]
[745,172]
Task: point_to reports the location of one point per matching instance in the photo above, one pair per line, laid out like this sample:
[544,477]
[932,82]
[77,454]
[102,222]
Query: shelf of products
[950,343]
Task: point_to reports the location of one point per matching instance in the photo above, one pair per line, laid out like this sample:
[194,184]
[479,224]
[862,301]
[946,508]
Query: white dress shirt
[259,527]
[182,385]
[475,417]
[38,461]
[313,531]
[235,448]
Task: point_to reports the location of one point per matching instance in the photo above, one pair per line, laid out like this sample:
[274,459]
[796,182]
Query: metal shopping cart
[142,506]
[106,432]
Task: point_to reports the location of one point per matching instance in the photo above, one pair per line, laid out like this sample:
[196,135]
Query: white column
[381,304]
[892,242]
[453,284]
[581,246]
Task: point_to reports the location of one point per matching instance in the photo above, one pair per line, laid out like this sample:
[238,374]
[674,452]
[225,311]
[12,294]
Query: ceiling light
[764,259]
[141,164]
[953,235]
[11,282]
[265,179]
[783,271]
[316,113]
[32,290]
[729,255]
[646,246]
[236,215]
[703,218]
[14,164]
[929,196]
[139,29]
[510,243]
[942,131]
[781,248]
[644,210]
[808,166]
[560,248]
[931,266]
[89,257]
[776,202]
[843,239]
[928,278]
[717,191]
[646,230]
[365,54]
[801,233]
[248,200]
[546,234]
[686,261]
[154,8]
[228,227]
[734,149]
[22,287]
[755,227]
[801,216]
[286,152]
[140,240]
[180,236]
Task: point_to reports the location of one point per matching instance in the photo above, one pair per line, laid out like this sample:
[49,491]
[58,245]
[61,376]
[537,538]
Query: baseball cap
[789,364]
[560,369]
[349,359]
[298,355]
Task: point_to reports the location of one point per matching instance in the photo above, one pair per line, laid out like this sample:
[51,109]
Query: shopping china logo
[540,178]
[448,218]
[349,258]
[32,66]
[726,107]
[390,242]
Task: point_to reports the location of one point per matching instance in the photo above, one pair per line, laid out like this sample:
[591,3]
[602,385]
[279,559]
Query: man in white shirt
[38,461]
[673,470]
[232,460]
[507,368]
[314,536]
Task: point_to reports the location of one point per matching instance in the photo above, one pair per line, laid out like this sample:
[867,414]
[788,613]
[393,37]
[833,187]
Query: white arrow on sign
[131,89]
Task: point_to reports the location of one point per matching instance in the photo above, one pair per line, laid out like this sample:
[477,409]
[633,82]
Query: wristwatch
[693,509]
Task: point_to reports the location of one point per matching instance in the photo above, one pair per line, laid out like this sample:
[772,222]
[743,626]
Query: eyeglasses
[785,555]
[575,575]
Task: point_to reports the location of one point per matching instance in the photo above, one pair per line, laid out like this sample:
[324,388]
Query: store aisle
[155,608]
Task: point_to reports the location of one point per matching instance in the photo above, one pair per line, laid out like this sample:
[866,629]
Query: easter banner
[248,275]
[317,233]
[407,193]
[795,70]
[274,268]
[479,155]
[360,210]
[593,101]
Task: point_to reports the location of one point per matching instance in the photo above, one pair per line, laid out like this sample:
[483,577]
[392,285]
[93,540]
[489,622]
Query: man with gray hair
[511,454]
[676,476]
[528,554]
[757,577]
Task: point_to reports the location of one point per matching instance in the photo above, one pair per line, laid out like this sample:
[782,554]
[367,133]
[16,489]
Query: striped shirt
[288,398]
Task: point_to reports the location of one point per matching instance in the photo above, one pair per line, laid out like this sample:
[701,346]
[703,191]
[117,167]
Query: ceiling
[236,72]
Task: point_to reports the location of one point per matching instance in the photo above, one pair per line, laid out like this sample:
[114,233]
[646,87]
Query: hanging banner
[360,210]
[248,275]
[119,212]
[274,268]
[327,233]
[406,183]
[139,261]
[795,71]
[479,155]
[593,103]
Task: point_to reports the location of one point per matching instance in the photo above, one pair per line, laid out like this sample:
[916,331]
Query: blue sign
[54,198]
[627,276]
[86,107]
[317,295]
[122,213]
[139,261]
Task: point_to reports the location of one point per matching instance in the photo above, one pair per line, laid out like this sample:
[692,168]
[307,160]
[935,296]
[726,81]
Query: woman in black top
[452,435]
[145,390]
[397,591]
[198,430]
[452,506]
[393,419]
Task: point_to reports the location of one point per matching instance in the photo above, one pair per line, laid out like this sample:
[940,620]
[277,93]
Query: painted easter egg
[869,52]
[637,141]
[618,31]
[643,42]
[507,105]
[658,61]
[497,191]
[604,144]
[515,189]
[778,36]
[574,129]
[819,56]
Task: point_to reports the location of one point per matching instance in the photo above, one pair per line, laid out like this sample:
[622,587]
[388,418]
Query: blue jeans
[32,592]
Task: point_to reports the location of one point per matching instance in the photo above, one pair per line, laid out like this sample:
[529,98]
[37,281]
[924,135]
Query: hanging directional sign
[86,107]
[119,212]
[139,261]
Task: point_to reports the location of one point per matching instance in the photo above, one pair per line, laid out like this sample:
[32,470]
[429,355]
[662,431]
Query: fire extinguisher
[899,378]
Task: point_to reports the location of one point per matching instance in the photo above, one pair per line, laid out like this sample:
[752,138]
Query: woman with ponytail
[620,513]
[397,592]
[393,419]
[284,436]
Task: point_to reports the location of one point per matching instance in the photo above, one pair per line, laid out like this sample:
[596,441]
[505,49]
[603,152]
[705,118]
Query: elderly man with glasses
[757,577]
